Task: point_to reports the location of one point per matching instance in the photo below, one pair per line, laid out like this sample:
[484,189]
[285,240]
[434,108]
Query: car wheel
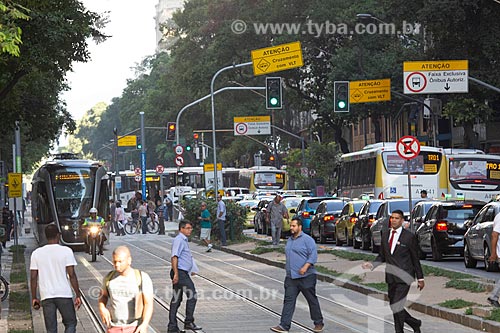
[488,266]
[338,242]
[365,244]
[356,244]
[468,260]
[437,255]
[349,240]
[375,248]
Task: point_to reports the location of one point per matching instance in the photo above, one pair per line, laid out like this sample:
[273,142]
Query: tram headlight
[66,227]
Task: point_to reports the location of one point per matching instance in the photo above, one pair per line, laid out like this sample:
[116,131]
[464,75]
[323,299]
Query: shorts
[122,329]
[205,233]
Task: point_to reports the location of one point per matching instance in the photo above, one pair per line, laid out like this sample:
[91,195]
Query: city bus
[263,178]
[378,169]
[472,174]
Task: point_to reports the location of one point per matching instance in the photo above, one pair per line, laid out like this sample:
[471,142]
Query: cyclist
[93,219]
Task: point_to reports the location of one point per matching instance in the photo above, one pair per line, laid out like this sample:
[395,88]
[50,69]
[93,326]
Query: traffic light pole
[143,156]
[214,141]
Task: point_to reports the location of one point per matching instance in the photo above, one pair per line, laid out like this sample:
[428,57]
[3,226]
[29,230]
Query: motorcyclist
[93,219]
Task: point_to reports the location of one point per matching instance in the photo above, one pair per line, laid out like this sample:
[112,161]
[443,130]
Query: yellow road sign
[439,65]
[370,91]
[210,167]
[15,185]
[127,141]
[277,58]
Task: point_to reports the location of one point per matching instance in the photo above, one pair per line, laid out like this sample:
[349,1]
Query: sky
[133,37]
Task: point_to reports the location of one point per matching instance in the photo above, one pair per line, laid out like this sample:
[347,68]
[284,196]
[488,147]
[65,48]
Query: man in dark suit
[398,250]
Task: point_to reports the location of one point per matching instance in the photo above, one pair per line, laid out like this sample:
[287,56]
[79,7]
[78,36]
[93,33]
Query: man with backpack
[130,295]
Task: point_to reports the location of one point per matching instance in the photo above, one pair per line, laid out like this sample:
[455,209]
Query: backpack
[139,300]
[112,274]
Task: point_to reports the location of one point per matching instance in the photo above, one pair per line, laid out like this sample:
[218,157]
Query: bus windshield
[269,179]
[73,189]
[474,170]
[426,163]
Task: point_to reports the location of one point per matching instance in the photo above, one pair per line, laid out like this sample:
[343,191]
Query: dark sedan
[361,230]
[323,222]
[443,229]
[477,241]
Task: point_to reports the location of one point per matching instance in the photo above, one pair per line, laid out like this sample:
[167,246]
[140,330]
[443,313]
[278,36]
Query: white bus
[378,169]
[471,174]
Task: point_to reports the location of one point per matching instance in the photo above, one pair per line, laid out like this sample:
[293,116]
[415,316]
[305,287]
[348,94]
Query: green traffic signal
[341,96]
[188,147]
[273,93]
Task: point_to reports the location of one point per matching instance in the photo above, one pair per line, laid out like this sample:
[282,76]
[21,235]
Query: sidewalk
[6,266]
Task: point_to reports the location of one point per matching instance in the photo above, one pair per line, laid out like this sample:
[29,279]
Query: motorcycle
[94,237]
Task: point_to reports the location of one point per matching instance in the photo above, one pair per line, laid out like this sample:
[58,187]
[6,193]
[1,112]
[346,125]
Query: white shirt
[396,238]
[51,261]
[496,228]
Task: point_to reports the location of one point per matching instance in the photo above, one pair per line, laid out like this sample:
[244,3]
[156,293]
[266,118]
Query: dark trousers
[222,230]
[397,298]
[184,286]
[307,286]
[144,220]
[66,309]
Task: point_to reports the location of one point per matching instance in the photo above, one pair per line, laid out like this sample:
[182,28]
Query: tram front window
[73,190]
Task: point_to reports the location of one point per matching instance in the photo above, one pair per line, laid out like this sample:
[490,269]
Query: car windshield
[357,206]
[401,205]
[335,205]
[314,204]
[460,213]
[291,203]
[374,207]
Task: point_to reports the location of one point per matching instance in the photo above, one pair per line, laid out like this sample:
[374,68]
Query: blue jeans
[276,232]
[185,285]
[67,311]
[222,230]
[307,286]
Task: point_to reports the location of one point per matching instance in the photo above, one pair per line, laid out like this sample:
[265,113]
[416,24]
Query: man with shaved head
[130,293]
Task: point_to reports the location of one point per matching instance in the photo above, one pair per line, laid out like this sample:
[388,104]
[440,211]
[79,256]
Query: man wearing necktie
[398,249]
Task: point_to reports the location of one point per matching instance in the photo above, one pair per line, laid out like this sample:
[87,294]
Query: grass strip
[325,270]
[495,315]
[456,304]
[382,286]
[262,250]
[435,271]
[468,285]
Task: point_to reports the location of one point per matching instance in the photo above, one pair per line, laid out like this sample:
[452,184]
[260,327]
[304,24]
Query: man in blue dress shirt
[183,266]
[301,255]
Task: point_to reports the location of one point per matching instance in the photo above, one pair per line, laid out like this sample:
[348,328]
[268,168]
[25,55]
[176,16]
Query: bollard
[161,230]
[231,230]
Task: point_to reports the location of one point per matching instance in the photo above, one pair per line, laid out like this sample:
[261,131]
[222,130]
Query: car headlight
[94,229]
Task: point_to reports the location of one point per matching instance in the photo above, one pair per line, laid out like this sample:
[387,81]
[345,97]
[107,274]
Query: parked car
[291,203]
[323,222]
[361,229]
[344,225]
[477,241]
[306,210]
[382,218]
[443,229]
[259,221]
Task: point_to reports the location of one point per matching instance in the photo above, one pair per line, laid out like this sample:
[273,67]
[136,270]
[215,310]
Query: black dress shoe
[192,327]
[494,302]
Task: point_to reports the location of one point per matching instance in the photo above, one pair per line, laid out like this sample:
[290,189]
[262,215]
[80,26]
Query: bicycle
[4,284]
[134,226]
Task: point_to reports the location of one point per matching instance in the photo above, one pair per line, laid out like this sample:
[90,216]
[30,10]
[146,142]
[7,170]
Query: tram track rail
[260,305]
[94,317]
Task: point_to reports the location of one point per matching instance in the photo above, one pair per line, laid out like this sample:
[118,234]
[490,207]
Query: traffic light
[138,142]
[341,96]
[273,93]
[188,147]
[171,131]
[196,136]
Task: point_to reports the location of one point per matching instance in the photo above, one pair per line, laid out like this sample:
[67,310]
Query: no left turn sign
[179,160]
[408,147]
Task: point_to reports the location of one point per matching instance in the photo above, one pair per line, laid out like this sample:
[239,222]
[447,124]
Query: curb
[471,321]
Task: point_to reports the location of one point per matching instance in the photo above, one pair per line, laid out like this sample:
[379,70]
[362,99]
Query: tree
[10,32]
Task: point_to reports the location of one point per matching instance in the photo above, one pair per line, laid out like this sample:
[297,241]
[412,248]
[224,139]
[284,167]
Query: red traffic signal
[171,131]
[196,136]
[271,158]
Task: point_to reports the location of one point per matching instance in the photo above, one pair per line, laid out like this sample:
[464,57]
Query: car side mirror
[354,215]
[418,219]
[293,211]
[468,223]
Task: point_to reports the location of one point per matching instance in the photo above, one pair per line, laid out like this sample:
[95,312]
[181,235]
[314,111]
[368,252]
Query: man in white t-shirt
[50,266]
[495,250]
[130,295]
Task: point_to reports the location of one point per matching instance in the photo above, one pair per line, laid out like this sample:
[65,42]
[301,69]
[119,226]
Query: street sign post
[367,91]
[260,125]
[127,141]
[277,58]
[436,77]
[15,185]
[408,147]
